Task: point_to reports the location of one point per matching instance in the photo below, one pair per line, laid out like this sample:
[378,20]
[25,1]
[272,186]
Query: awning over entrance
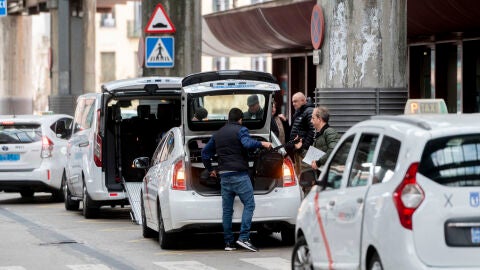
[265,28]
[284,25]
[433,17]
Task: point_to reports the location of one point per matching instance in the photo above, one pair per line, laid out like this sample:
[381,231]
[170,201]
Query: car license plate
[9,157]
[475,235]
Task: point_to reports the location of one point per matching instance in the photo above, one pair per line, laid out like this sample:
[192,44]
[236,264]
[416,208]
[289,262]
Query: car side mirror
[141,163]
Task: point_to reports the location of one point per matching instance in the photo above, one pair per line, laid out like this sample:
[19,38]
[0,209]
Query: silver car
[177,194]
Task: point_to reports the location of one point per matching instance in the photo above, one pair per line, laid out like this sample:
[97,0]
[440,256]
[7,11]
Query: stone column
[61,99]
[16,88]
[364,55]
[188,50]
[89,10]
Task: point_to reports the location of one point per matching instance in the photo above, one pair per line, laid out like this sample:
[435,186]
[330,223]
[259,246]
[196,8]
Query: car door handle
[331,203]
[83,144]
[359,200]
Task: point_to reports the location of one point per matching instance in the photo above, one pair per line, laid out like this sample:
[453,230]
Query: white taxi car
[178,195]
[398,192]
[32,153]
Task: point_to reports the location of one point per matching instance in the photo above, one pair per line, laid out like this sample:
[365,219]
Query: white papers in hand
[313,154]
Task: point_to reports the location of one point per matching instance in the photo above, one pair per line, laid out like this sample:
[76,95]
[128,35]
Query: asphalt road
[40,234]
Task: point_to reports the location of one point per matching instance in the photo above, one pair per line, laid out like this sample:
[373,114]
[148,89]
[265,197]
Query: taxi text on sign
[159,22]
[3,8]
[159,52]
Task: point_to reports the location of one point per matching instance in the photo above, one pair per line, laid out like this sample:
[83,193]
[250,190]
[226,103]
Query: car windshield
[452,161]
[206,111]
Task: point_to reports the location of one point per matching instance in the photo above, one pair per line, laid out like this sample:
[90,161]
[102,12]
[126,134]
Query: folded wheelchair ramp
[133,193]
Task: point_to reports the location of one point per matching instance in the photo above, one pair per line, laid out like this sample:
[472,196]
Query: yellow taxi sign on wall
[426,106]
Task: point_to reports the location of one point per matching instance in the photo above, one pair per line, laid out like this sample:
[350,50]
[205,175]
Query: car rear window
[20,133]
[452,161]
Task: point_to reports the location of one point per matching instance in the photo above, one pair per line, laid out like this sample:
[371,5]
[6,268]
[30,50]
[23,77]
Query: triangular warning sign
[159,54]
[159,22]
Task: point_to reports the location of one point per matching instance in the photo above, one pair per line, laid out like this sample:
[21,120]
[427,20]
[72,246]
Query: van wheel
[301,258]
[288,236]
[70,204]
[146,231]
[375,263]
[88,210]
[166,240]
[27,194]
[59,195]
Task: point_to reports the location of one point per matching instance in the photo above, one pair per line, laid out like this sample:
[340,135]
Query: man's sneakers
[247,244]
[230,247]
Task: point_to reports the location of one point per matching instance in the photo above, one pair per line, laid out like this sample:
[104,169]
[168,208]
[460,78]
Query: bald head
[298,100]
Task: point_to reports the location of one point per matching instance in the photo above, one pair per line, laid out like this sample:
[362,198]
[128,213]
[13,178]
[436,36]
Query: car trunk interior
[208,186]
[128,138]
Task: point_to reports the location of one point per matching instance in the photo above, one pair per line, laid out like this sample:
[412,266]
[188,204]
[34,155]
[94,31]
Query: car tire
[70,204]
[301,258]
[288,236]
[27,194]
[375,263]
[88,210]
[166,240]
[146,231]
[59,195]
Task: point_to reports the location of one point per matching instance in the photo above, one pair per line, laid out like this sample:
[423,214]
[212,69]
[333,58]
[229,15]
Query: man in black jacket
[302,127]
[231,143]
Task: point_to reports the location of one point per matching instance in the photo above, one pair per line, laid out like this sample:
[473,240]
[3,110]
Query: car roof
[431,121]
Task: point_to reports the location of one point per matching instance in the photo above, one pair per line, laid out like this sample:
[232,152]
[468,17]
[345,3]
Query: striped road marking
[88,267]
[184,265]
[271,263]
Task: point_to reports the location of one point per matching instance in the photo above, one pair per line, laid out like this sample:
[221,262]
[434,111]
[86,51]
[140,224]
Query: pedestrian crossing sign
[159,52]
[3,8]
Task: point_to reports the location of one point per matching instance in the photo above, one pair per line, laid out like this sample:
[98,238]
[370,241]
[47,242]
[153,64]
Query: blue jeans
[237,184]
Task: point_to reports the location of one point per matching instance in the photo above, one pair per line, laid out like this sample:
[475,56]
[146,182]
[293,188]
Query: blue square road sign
[159,52]
[3,8]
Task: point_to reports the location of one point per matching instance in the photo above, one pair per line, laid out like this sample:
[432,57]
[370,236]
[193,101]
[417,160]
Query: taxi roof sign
[426,106]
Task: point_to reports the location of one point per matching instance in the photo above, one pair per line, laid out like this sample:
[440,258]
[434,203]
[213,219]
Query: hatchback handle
[83,144]
[331,203]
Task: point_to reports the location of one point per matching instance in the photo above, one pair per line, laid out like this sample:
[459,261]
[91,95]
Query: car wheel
[288,236]
[375,263]
[70,204]
[27,194]
[59,195]
[88,210]
[166,240]
[301,258]
[146,231]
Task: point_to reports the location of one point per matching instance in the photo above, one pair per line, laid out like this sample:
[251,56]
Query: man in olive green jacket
[325,137]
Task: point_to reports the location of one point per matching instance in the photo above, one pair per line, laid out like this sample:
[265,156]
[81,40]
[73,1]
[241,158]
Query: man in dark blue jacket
[231,143]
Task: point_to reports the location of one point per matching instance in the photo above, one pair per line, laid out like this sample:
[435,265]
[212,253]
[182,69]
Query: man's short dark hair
[235,114]
[201,113]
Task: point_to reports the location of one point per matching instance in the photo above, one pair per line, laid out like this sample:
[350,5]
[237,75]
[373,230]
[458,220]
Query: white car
[32,153]
[398,192]
[111,128]
[177,193]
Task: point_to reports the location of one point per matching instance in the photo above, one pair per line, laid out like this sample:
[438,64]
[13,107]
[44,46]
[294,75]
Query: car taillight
[288,173]
[178,182]
[47,147]
[408,196]
[97,148]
